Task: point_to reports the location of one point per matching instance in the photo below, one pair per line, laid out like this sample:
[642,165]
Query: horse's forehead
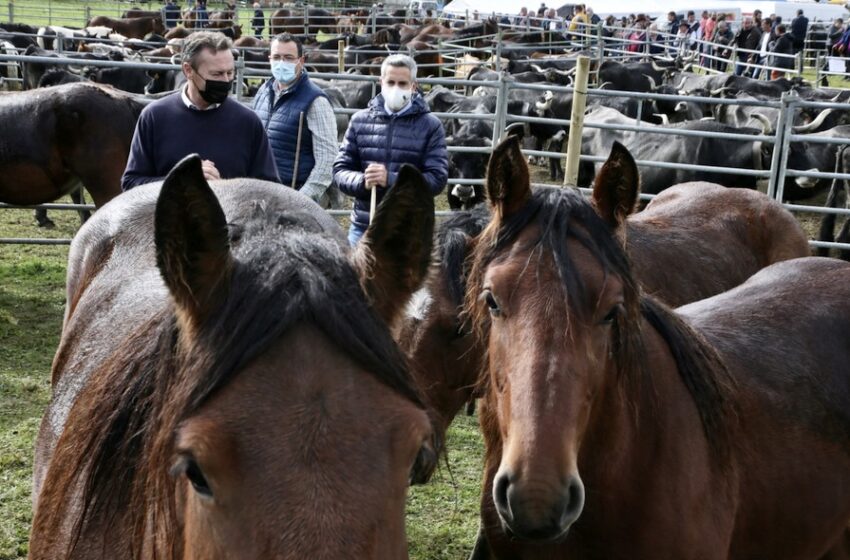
[531,268]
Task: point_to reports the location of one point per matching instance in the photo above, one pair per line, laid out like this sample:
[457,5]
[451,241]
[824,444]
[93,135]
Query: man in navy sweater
[395,129]
[202,119]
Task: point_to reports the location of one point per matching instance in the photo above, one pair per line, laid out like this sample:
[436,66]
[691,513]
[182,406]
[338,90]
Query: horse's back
[114,286]
[695,240]
[785,337]
[790,321]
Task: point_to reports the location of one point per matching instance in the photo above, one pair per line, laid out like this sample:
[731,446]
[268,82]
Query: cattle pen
[772,177]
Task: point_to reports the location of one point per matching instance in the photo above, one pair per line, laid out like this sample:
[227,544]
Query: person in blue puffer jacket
[396,128]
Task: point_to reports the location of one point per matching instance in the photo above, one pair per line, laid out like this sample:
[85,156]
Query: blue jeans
[355,232]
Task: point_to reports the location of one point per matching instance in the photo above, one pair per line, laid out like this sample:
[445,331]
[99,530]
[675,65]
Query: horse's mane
[285,271]
[564,213]
[452,247]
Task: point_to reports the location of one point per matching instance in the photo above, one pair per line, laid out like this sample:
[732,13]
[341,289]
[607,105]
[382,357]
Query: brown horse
[138,12]
[299,21]
[226,385]
[56,138]
[132,28]
[223,18]
[692,241]
[617,428]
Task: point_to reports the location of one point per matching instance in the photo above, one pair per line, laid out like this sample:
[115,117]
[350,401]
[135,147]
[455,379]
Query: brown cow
[133,28]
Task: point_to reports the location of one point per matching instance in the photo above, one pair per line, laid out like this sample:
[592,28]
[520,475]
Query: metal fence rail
[782,137]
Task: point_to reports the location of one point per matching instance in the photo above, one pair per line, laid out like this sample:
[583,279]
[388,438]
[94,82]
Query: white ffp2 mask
[396,98]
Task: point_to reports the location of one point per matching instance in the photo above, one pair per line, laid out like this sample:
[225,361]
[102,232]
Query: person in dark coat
[799,27]
[784,45]
[396,128]
[258,22]
[202,16]
[170,14]
[748,38]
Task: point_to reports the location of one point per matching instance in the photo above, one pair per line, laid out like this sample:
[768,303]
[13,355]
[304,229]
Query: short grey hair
[399,61]
[200,41]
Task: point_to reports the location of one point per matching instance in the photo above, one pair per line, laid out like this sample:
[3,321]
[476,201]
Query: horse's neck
[647,421]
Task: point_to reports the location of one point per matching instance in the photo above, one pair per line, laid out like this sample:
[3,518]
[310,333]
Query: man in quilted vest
[396,128]
[290,102]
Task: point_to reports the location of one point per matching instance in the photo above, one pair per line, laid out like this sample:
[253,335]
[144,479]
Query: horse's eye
[189,466]
[612,314]
[492,304]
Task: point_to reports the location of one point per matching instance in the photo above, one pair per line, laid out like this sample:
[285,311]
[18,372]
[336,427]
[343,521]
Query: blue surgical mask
[284,72]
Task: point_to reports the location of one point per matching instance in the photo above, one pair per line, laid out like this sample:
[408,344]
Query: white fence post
[501,111]
[786,117]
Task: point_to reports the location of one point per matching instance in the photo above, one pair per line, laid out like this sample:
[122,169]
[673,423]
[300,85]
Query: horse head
[548,294]
[264,409]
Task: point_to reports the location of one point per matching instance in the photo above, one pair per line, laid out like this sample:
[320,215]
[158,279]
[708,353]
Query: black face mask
[215,91]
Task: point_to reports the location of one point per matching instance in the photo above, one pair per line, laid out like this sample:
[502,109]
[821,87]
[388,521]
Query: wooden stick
[374,203]
[297,148]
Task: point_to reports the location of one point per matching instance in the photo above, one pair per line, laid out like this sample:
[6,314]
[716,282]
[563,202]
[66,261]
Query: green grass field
[442,516]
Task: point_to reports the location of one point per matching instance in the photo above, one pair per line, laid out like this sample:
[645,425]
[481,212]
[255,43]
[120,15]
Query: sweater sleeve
[348,173]
[141,169]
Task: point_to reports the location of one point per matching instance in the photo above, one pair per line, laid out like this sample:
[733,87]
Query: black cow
[654,146]
[132,80]
[467,166]
[32,72]
[634,76]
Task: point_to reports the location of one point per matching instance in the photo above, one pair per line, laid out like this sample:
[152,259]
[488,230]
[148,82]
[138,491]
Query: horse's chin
[536,539]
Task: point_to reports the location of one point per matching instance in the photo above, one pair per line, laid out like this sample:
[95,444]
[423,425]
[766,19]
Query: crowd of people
[757,42]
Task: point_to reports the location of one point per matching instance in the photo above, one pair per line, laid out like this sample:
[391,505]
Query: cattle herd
[527,57]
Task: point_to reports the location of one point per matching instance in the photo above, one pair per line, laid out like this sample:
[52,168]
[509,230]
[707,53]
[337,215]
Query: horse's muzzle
[535,511]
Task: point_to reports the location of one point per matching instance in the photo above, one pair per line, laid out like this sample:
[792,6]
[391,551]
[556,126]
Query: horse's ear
[508,183]
[617,185]
[393,256]
[192,242]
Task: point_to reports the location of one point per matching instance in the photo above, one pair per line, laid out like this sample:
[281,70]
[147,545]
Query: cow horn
[707,118]
[688,67]
[537,68]
[836,99]
[718,91]
[658,68]
[682,83]
[815,124]
[766,126]
[652,85]
[603,84]
[665,120]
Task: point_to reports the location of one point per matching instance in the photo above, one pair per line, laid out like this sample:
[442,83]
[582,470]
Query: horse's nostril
[500,494]
[575,501]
